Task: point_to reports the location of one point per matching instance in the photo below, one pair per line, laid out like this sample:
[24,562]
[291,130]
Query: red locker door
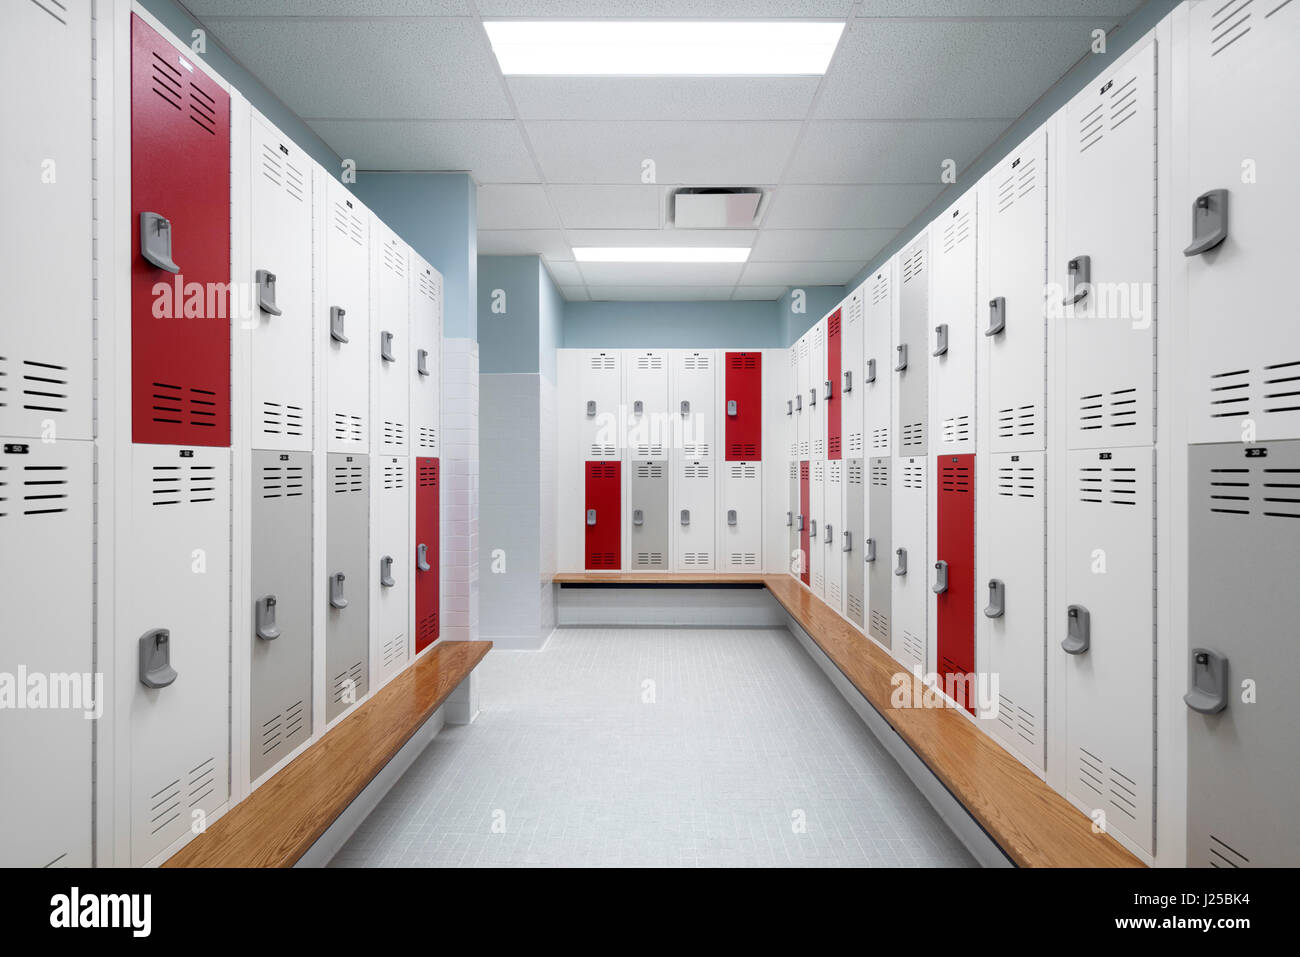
[427,564]
[603,518]
[744,406]
[833,369]
[805,506]
[955,607]
[180,321]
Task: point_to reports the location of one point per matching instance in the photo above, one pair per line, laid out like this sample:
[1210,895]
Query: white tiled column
[460,482]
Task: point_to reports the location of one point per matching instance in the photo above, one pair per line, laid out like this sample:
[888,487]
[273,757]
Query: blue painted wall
[667,325]
[550,322]
[817,301]
[507,341]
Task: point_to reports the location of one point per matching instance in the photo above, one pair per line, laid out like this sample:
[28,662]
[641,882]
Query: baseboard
[668,606]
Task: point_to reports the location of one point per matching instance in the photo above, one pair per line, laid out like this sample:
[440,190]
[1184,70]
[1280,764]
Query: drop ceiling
[845,160]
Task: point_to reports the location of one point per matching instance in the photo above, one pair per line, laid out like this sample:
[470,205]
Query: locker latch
[1078,273]
[827,390]
[997,316]
[800,517]
[336,591]
[828,534]
[1208,693]
[812,528]
[422,557]
[870,374]
[789,519]
[686,406]
[591,407]
[686,516]
[386,572]
[812,397]
[789,407]
[266,627]
[156,241]
[422,361]
[731,516]
[900,568]
[386,346]
[940,339]
[638,516]
[591,516]
[798,402]
[156,669]
[940,577]
[848,381]
[731,407]
[266,293]
[869,550]
[848,541]
[902,358]
[997,605]
[638,407]
[336,324]
[1078,636]
[1209,221]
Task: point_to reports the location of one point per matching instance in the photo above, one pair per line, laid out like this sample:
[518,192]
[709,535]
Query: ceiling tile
[794,245]
[514,206]
[328,8]
[659,293]
[839,207]
[663,237]
[662,98]
[574,293]
[493,149]
[818,273]
[759,292]
[887,151]
[645,274]
[564,273]
[684,9]
[607,207]
[998,8]
[524,242]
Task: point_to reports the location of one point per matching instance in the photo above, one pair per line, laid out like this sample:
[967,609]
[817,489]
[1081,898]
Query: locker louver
[956,232]
[1016,185]
[174,484]
[283,732]
[1232,21]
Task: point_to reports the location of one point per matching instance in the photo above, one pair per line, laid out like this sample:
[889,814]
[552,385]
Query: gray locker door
[880,581]
[855,572]
[914,336]
[347,521]
[1244,538]
[648,515]
[279,623]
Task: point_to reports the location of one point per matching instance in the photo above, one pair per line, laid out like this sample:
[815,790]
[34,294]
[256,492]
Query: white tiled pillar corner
[460,482]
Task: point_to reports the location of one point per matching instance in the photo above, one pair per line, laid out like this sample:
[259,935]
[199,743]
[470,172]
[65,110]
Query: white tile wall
[546,405]
[460,490]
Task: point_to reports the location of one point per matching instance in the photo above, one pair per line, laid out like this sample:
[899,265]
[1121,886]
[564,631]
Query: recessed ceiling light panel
[661,254]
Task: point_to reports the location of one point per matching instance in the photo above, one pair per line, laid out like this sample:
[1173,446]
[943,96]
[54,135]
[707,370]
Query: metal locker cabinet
[792,413]
[600,394]
[829,533]
[278,626]
[691,398]
[951,349]
[1243,778]
[46,589]
[851,536]
[1012,323]
[910,601]
[347,570]
[878,552]
[831,386]
[813,399]
[174,603]
[693,516]
[280,317]
[180,220]
[1246,369]
[802,410]
[604,489]
[804,522]
[1107,209]
[794,521]
[878,361]
[648,515]
[1011,598]
[910,359]
[1109,623]
[425,356]
[390,335]
[45,185]
[646,405]
[953,575]
[816,523]
[427,560]
[740,518]
[391,564]
[345,319]
[743,406]
[849,383]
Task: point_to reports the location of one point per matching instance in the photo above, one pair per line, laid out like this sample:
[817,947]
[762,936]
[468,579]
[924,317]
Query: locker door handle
[997,605]
[900,569]
[848,541]
[386,572]
[812,397]
[848,381]
[902,358]
[731,516]
[812,528]
[591,516]
[997,316]
[869,551]
[828,534]
[591,407]
[828,390]
[337,313]
[156,241]
[800,523]
[940,339]
[789,407]
[422,557]
[1078,279]
[156,669]
[1209,682]
[1209,221]
[386,346]
[422,361]
[686,516]
[733,408]
[336,591]
[686,407]
[638,407]
[789,519]
[1078,636]
[940,577]
[638,516]
[798,402]
[266,293]
[266,627]
[870,375]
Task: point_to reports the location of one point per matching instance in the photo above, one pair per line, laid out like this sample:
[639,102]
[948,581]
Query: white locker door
[1011,568]
[45,191]
[280,351]
[425,356]
[878,360]
[649,429]
[390,556]
[850,384]
[693,516]
[910,361]
[600,388]
[952,334]
[910,601]
[793,406]
[1012,374]
[740,518]
[1109,571]
[829,534]
[1245,350]
[345,319]
[814,397]
[692,402]
[802,410]
[1106,256]
[46,589]
[817,519]
[175,594]
[391,340]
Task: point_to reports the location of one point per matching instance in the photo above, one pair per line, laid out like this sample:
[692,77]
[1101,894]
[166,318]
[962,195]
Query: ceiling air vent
[716,207]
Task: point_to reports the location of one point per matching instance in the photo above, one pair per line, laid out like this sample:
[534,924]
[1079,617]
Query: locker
[46,588]
[793,522]
[802,410]
[647,530]
[850,380]
[425,357]
[954,575]
[600,391]
[1242,773]
[694,517]
[180,272]
[391,565]
[428,528]
[390,340]
[1108,625]
[1104,277]
[910,360]
[1245,373]
[1012,374]
[804,521]
[831,534]
[855,500]
[816,524]
[952,334]
[345,320]
[815,390]
[646,405]
[347,570]
[743,406]
[831,387]
[740,518]
[603,495]
[1011,596]
[878,360]
[692,397]
[46,364]
[792,413]
[174,600]
[279,623]
[877,550]
[281,339]
[910,601]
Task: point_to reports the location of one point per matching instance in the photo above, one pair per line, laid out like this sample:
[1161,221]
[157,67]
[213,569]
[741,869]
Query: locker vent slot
[426,629]
[855,471]
[427,474]
[279,481]
[833,324]
[281,173]
[347,478]
[1017,421]
[602,361]
[1276,390]
[834,444]
[855,443]
[743,470]
[833,469]
[1112,485]
[394,258]
[914,646]
[394,433]
[956,232]
[855,310]
[696,559]
[819,447]
[1272,492]
[1230,23]
[57,10]
[56,861]
[855,606]
[953,477]
[282,419]
[1109,784]
[744,449]
[803,348]
[174,484]
[1223,854]
[880,289]
[644,451]
[913,476]
[1123,103]
[696,450]
[428,288]
[695,470]
[819,469]
[650,362]
[833,591]
[347,428]
[794,470]
[281,729]
[819,581]
[44,489]
[1108,410]
[1019,481]
[914,265]
[44,386]
[879,475]
[602,559]
[354,677]
[427,438]
[913,434]
[651,470]
[395,475]
[164,805]
[880,624]
[202,782]
[1017,185]
[178,405]
[1091,128]
[744,559]
[394,651]
[1017,721]
[880,438]
[167,82]
[348,224]
[648,559]
[598,450]
[956,429]
[203,109]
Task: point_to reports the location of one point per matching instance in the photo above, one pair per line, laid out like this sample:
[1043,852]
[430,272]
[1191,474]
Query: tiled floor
[645,747]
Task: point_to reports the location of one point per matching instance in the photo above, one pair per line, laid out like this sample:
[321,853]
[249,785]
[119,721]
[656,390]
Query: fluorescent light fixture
[663,47]
[661,254]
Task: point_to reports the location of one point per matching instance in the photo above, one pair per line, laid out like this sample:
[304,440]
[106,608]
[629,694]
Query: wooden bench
[276,824]
[1032,824]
